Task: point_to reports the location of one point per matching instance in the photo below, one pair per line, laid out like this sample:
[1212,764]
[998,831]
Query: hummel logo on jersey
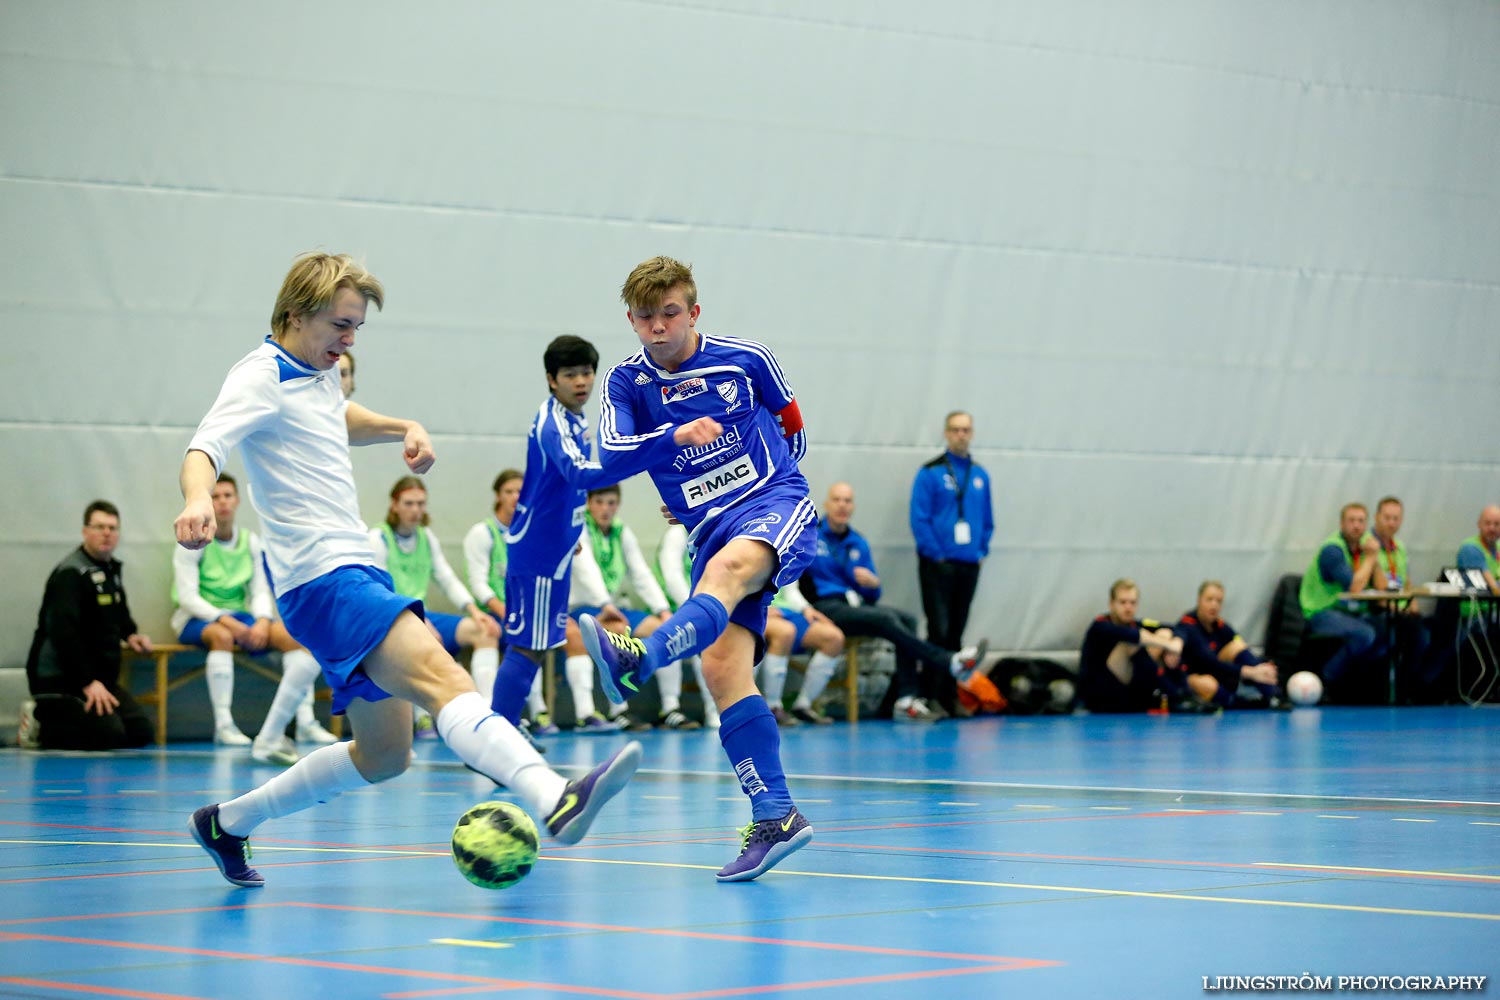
[724,479]
[683,390]
[643,379]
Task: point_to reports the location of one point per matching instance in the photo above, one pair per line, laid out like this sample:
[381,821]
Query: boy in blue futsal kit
[550,515]
[752,527]
[281,404]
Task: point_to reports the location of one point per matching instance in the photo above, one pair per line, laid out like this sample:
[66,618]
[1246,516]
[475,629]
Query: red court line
[185,871]
[182,835]
[992,963]
[662,932]
[451,977]
[47,984]
[1264,868]
[123,916]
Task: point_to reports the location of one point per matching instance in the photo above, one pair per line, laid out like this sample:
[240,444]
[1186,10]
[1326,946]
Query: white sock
[773,678]
[484,665]
[580,673]
[491,745]
[219,671]
[298,672]
[534,699]
[305,714]
[669,684]
[324,774]
[819,672]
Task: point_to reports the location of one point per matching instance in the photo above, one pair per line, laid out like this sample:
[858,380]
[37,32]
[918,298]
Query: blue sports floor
[1048,857]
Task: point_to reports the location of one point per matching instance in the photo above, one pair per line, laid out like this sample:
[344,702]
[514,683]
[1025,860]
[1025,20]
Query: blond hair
[652,279]
[313,281]
[1122,584]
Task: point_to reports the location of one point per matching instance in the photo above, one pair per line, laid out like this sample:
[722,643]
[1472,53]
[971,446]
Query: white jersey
[671,559]
[479,548]
[442,572]
[190,602]
[588,589]
[288,421]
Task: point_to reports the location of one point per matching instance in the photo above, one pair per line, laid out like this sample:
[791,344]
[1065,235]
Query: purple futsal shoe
[765,844]
[618,657]
[582,799]
[229,852]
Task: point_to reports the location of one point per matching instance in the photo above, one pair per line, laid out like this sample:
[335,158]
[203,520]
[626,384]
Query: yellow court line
[1375,871]
[1397,911]
[465,943]
[258,848]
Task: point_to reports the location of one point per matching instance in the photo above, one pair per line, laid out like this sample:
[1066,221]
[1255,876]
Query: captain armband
[789,418]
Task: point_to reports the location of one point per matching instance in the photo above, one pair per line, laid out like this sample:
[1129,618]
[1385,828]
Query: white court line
[1399,819]
[958,803]
[1112,808]
[1018,786]
[1338,817]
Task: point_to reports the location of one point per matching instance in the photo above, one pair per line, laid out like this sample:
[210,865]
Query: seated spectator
[843,585]
[1413,638]
[74,662]
[793,626]
[224,603]
[1345,562]
[486,556]
[407,549]
[674,567]
[1479,552]
[612,580]
[1218,661]
[1129,664]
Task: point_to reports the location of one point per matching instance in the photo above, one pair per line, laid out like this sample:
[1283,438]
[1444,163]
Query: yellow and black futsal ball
[494,845]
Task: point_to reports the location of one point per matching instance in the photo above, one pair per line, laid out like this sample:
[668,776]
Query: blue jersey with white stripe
[739,384]
[554,490]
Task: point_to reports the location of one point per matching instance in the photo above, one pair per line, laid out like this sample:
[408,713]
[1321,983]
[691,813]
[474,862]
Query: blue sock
[512,685]
[750,737]
[694,627]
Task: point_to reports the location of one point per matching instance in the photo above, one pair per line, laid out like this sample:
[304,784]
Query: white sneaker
[314,732]
[28,733]
[278,750]
[913,710]
[230,736]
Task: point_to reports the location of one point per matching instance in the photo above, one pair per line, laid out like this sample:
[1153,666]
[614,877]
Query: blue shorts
[800,623]
[536,611]
[633,616]
[192,632]
[447,629]
[341,617]
[783,517]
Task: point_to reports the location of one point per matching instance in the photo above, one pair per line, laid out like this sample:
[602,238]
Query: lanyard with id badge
[962,533]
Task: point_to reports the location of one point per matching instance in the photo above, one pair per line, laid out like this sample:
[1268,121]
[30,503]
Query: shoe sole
[773,857]
[279,760]
[615,777]
[590,636]
[218,861]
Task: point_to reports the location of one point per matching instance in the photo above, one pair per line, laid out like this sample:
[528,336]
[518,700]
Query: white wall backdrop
[1202,271]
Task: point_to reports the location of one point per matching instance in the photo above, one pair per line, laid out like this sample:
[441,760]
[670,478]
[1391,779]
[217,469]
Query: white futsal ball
[1304,688]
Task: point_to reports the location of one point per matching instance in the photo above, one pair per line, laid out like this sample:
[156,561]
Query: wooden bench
[164,684]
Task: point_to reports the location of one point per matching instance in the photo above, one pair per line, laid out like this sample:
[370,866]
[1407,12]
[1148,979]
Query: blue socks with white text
[693,628]
[751,740]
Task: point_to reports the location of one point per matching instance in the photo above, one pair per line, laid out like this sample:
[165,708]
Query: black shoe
[1192,706]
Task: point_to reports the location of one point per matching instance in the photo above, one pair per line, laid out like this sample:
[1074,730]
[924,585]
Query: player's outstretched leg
[230,853]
